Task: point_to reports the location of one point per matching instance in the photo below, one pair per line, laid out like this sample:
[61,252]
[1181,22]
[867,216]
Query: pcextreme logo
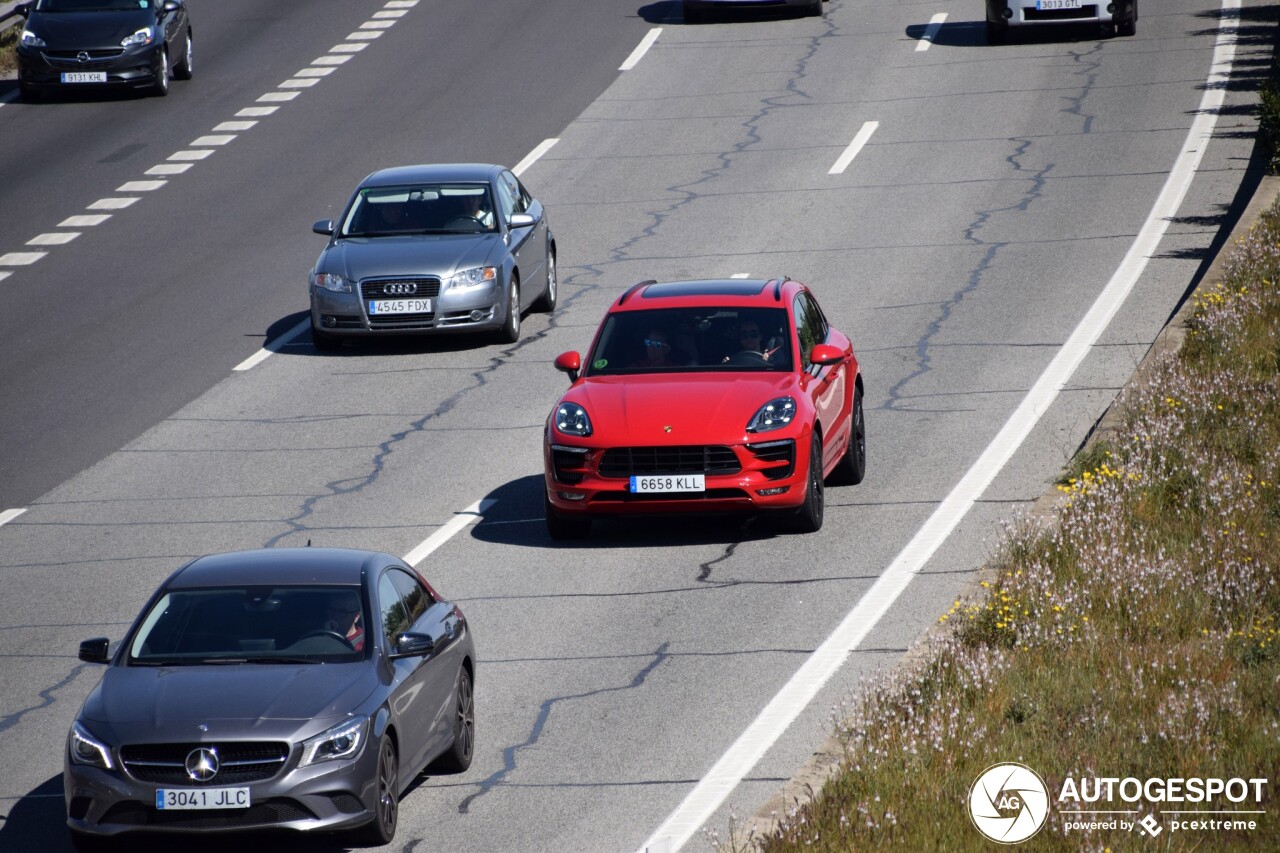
[1009,803]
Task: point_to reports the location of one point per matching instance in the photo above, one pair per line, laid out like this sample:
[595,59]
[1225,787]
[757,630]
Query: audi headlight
[571,419]
[331,281]
[774,414]
[341,741]
[30,39]
[472,277]
[87,749]
[142,36]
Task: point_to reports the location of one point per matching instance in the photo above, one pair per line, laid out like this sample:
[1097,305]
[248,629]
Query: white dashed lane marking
[249,112]
[53,238]
[197,154]
[931,31]
[169,169]
[20,259]
[270,97]
[855,146]
[140,186]
[112,203]
[234,125]
[10,514]
[84,220]
[219,139]
[641,49]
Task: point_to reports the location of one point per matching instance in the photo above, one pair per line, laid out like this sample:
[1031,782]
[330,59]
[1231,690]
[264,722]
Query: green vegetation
[8,47]
[1137,635]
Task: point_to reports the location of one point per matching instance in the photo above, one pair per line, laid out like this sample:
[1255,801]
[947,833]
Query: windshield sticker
[600,363]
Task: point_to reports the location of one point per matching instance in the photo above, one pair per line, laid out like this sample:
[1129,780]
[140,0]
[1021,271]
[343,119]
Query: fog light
[1008,13]
[571,496]
[329,321]
[776,490]
[478,315]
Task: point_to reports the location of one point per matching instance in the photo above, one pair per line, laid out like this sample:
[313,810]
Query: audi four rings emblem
[202,764]
[400,288]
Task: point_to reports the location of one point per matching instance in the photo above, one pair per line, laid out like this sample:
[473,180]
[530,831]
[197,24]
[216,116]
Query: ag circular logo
[1009,803]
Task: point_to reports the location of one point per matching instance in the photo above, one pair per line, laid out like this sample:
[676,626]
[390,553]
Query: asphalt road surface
[999,192]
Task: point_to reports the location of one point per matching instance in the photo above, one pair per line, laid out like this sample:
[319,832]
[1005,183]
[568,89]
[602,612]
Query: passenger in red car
[658,351]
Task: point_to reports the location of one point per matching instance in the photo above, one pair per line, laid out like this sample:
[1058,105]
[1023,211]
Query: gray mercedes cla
[424,249]
[290,688]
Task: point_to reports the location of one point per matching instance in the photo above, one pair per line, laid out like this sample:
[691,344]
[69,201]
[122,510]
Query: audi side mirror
[323,226]
[522,220]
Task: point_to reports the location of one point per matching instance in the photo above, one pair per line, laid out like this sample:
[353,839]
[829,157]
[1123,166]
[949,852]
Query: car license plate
[399,306]
[84,77]
[1050,5]
[670,483]
[169,799]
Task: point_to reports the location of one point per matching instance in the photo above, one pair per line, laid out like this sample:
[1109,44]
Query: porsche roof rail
[633,288]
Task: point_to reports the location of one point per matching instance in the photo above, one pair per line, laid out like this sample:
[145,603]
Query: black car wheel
[458,758]
[184,69]
[547,303]
[511,328]
[808,519]
[853,465]
[814,11]
[1129,26]
[562,527]
[161,87]
[382,829]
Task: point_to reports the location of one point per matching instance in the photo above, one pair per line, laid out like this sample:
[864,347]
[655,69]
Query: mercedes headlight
[142,36]
[472,278]
[87,749]
[774,414]
[571,419]
[331,281]
[341,741]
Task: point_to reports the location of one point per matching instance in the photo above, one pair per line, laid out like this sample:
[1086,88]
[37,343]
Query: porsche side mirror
[570,363]
[323,226]
[95,650]
[826,354]
[409,645]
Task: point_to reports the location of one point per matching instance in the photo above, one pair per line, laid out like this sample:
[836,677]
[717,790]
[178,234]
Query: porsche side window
[804,329]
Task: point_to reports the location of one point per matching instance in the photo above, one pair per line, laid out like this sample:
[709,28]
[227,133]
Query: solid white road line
[641,49]
[273,346]
[931,31]
[533,156]
[10,514]
[448,530]
[855,146]
[787,704]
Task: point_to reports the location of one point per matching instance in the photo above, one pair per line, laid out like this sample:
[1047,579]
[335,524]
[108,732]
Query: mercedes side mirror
[409,645]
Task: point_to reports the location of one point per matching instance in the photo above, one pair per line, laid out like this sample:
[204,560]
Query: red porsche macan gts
[731,395]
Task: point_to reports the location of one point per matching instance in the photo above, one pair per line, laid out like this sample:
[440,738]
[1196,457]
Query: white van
[1122,15]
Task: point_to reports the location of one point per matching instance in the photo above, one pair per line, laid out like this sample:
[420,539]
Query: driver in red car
[658,351]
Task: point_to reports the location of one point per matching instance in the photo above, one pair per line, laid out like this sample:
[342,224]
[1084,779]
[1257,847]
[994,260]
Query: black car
[286,688]
[87,44]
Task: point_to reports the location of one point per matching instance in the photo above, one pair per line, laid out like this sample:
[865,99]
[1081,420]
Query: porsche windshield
[251,624]
[454,208]
[692,339]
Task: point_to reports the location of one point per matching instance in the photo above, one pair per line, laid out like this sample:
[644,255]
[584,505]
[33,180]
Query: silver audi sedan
[459,247]
[287,689]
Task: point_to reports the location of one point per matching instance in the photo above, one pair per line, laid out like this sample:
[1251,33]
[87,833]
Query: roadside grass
[9,46]
[1136,634]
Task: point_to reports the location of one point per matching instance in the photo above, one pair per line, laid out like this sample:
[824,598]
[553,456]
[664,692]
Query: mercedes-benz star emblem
[400,288]
[202,764]
[82,56]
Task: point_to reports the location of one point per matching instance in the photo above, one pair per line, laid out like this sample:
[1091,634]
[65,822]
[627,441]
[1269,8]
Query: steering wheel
[748,358]
[326,632]
[464,221]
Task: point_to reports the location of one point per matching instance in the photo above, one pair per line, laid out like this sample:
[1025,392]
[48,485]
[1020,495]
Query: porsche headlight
[472,278]
[341,741]
[30,39]
[87,749]
[571,419]
[142,36]
[774,414]
[331,281]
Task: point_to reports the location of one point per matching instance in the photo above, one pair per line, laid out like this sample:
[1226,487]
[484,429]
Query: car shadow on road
[516,518]
[671,12]
[974,34]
